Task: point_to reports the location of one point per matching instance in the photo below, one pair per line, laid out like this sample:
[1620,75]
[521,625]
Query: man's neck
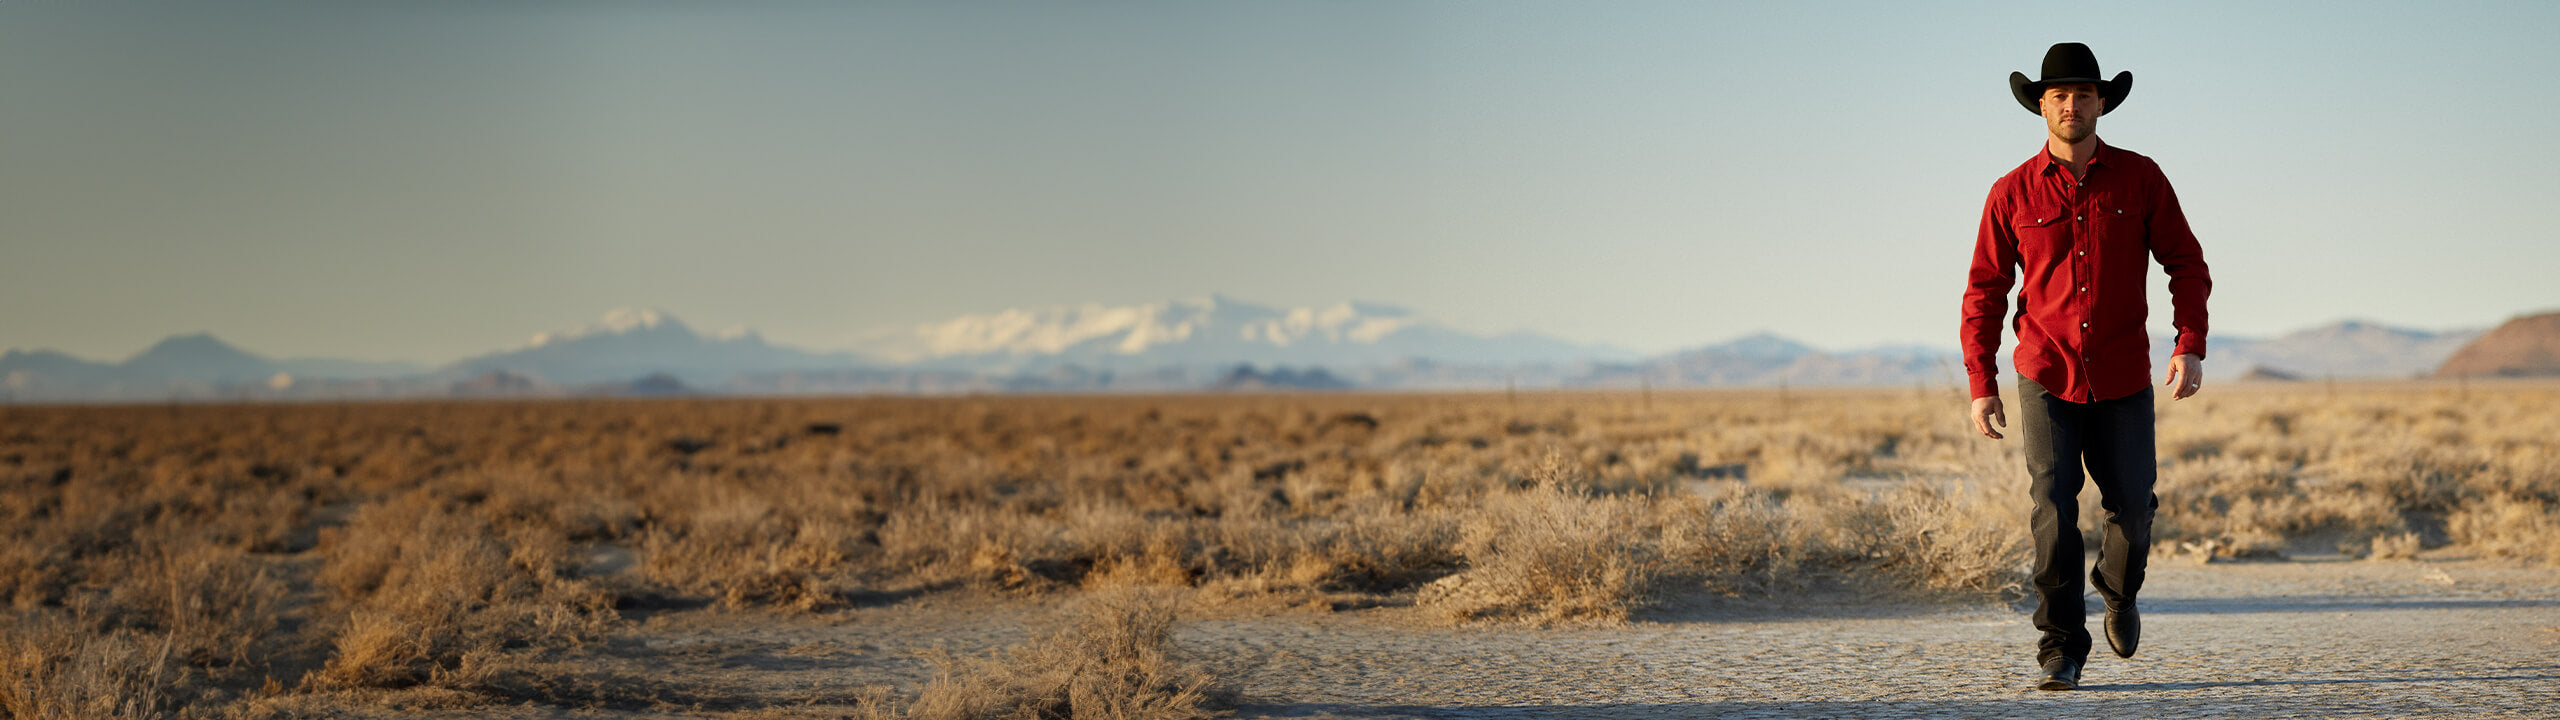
[2073,155]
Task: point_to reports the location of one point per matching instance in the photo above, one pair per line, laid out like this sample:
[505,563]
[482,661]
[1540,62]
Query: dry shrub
[1803,460]
[1736,544]
[1554,553]
[2402,546]
[1958,535]
[51,670]
[2510,526]
[32,572]
[416,548]
[2379,470]
[1376,549]
[752,540]
[263,520]
[215,603]
[382,648]
[991,548]
[420,581]
[1122,542]
[1161,555]
[1114,661]
[2224,506]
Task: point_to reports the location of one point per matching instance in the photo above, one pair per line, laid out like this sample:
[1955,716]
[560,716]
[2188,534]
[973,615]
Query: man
[2072,228]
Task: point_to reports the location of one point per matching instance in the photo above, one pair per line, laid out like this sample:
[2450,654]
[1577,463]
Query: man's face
[2071,111]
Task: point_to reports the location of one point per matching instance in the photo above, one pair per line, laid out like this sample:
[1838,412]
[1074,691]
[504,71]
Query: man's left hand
[2186,373]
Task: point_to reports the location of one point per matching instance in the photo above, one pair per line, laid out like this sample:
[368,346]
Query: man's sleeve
[1986,296]
[2174,245]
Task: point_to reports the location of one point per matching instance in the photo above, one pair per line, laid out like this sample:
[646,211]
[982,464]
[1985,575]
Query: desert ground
[2373,549]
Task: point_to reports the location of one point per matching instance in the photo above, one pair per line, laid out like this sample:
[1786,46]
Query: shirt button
[2084,253]
[2084,288]
[2079,217]
[2084,326]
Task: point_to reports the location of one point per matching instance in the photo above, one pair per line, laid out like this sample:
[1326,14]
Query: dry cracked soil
[2313,638]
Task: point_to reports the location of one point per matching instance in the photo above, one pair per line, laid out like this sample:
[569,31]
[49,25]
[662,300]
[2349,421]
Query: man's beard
[2064,132]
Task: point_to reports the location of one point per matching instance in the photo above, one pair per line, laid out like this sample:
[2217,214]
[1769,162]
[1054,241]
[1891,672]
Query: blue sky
[419,181]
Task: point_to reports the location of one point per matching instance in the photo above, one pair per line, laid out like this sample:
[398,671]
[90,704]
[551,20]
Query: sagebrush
[191,558]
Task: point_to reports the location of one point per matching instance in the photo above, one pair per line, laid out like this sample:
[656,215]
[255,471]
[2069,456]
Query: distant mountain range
[1182,345]
[2350,349]
[1212,331]
[633,343]
[194,366]
[1769,360]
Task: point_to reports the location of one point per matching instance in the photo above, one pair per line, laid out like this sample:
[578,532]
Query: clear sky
[424,180]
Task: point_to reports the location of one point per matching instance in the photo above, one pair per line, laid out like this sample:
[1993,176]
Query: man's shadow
[2136,687]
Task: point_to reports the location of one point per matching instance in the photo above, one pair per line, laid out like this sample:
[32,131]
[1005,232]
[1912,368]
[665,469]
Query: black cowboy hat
[2070,63]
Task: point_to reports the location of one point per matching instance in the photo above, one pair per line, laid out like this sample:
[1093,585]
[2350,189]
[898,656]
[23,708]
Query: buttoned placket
[2080,271]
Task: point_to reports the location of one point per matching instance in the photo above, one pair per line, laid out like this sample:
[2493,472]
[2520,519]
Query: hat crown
[2069,63]
[2070,60]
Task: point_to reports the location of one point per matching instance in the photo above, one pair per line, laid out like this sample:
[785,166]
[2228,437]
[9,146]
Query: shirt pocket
[2043,231]
[2118,226]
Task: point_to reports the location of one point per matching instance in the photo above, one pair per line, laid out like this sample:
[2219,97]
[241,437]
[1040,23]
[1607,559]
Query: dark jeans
[2113,438]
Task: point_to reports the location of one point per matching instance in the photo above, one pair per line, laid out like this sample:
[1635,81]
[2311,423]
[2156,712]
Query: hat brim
[2030,91]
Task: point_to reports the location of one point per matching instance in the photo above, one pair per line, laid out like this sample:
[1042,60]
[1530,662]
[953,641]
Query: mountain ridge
[2523,346]
[1214,330]
[1172,346]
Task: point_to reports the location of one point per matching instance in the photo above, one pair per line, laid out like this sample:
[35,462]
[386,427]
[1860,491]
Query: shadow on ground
[2327,604]
[2140,687]
[1820,599]
[2192,699]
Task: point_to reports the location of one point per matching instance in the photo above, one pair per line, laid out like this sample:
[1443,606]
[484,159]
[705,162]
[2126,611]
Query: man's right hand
[1986,410]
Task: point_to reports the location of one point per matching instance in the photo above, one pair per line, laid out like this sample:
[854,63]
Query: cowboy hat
[2070,63]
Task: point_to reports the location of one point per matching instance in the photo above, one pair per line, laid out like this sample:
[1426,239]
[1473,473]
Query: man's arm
[1986,303]
[2174,245]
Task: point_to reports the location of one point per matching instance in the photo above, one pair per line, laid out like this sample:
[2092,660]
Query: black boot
[2061,674]
[2124,628]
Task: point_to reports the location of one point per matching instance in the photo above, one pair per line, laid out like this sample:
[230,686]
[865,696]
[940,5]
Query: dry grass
[50,670]
[2510,526]
[1556,551]
[1112,662]
[2387,470]
[186,559]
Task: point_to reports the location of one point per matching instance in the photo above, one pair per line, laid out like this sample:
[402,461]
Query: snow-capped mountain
[1207,331]
[631,343]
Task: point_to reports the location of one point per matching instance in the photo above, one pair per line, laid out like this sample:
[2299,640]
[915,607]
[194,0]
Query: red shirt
[2078,252]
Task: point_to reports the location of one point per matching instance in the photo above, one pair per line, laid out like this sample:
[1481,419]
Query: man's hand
[1986,410]
[2186,373]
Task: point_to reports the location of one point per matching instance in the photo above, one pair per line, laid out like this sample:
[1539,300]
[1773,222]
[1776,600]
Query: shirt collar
[2045,163]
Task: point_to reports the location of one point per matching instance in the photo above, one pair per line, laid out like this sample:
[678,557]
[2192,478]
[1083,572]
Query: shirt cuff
[2190,344]
[1985,386]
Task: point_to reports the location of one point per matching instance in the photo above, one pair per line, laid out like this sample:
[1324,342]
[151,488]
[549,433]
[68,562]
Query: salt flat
[2320,638]
[2278,639]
